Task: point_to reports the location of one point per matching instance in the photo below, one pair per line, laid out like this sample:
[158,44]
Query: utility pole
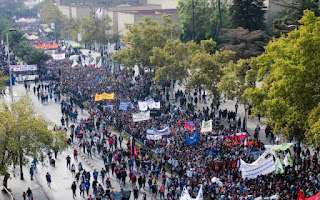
[193,31]
[10,73]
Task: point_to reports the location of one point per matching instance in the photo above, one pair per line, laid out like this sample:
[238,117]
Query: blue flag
[96,80]
[193,139]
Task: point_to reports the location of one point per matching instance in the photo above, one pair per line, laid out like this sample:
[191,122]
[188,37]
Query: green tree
[173,60]
[71,29]
[245,43]
[206,68]
[4,25]
[289,94]
[49,13]
[248,14]
[200,20]
[143,37]
[95,30]
[23,135]
[3,80]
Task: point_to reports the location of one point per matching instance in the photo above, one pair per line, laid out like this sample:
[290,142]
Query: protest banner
[104,96]
[141,116]
[206,126]
[262,166]
[165,131]
[143,106]
[61,56]
[21,68]
[154,137]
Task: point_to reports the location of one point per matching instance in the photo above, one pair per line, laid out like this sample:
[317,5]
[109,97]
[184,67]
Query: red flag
[317,196]
[300,196]
[179,121]
[186,125]
[191,128]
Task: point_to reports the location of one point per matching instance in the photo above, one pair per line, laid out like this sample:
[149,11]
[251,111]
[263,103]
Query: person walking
[74,189]
[48,177]
[75,154]
[161,191]
[68,158]
[29,193]
[82,187]
[31,172]
[135,193]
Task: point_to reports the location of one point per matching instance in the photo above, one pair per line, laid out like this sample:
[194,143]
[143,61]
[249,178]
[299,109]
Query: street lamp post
[9,67]
[172,84]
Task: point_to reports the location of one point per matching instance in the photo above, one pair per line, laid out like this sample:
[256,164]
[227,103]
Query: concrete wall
[123,19]
[274,8]
[165,4]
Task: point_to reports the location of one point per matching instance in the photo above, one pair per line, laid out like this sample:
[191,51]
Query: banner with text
[262,166]
[206,126]
[22,68]
[165,131]
[61,56]
[141,116]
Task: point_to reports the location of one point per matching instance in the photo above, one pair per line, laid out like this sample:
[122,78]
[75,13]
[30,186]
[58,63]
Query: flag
[74,63]
[96,80]
[82,60]
[186,125]
[287,160]
[179,121]
[99,13]
[94,62]
[300,196]
[99,65]
[87,62]
[193,139]
[132,147]
[200,194]
[279,167]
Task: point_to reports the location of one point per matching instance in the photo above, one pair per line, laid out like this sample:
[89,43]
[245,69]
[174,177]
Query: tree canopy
[248,14]
[23,134]
[289,70]
[143,37]
[201,19]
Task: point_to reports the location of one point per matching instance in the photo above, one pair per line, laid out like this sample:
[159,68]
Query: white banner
[206,126]
[154,137]
[21,68]
[61,56]
[155,105]
[262,166]
[273,197]
[165,131]
[143,106]
[141,116]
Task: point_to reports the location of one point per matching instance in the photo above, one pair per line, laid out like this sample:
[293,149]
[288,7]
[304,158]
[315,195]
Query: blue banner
[125,105]
[193,139]
[212,152]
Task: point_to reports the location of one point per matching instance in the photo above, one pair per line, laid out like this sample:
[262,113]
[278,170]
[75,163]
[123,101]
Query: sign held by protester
[262,166]
[193,139]
[141,116]
[104,96]
[61,56]
[22,68]
[206,126]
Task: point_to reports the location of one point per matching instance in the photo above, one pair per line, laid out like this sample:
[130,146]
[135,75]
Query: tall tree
[289,94]
[200,19]
[23,135]
[245,43]
[173,60]
[50,13]
[248,14]
[293,12]
[95,30]
[206,68]
[143,37]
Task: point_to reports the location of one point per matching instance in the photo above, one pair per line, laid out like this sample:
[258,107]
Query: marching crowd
[173,165]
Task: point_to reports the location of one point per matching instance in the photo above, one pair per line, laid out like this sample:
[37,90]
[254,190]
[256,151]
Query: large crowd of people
[173,162]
